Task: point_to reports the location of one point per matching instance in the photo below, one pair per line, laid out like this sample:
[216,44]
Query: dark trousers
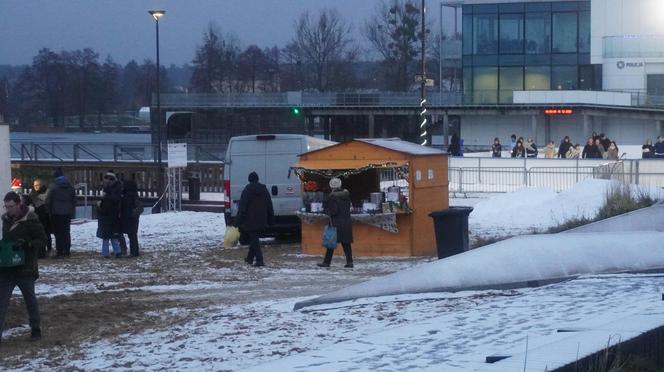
[348,251]
[255,248]
[133,244]
[61,229]
[27,287]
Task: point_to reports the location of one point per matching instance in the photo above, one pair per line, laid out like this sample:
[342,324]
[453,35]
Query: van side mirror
[275,190]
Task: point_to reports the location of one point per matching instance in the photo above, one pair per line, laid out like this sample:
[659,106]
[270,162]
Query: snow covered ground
[187,303]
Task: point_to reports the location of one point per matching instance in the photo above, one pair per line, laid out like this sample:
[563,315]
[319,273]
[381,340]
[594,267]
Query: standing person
[601,149]
[338,209]
[605,141]
[519,151]
[550,150]
[590,150]
[612,151]
[531,148]
[512,143]
[496,149]
[61,207]
[108,220]
[455,146]
[130,212]
[647,150]
[564,147]
[659,148]
[37,199]
[574,152]
[21,225]
[254,215]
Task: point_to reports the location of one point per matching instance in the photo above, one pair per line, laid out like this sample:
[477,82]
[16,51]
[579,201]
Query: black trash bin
[451,227]
[194,189]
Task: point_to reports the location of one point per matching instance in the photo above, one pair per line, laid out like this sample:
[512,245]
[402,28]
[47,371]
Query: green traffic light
[296,111]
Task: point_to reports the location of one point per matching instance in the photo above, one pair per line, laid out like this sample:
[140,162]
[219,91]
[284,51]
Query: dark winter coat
[37,200]
[28,229]
[531,150]
[563,149]
[338,208]
[61,198]
[255,212]
[129,208]
[496,150]
[648,151]
[518,152]
[659,149]
[591,152]
[108,213]
[606,142]
[455,146]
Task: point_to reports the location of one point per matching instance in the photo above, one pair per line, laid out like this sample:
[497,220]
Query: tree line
[321,56]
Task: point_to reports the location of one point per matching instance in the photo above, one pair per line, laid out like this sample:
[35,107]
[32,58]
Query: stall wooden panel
[369,241]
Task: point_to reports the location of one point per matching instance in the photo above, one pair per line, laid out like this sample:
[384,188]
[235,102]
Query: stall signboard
[177,155]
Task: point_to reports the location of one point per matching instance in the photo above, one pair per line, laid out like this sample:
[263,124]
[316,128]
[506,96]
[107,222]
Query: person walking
[255,214]
[21,225]
[61,207]
[455,146]
[108,220]
[496,149]
[37,200]
[130,212]
[338,209]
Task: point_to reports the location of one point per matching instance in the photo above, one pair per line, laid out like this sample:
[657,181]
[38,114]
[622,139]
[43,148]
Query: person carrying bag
[340,228]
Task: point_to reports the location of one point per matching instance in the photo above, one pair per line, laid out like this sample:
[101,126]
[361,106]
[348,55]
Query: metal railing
[133,152]
[469,176]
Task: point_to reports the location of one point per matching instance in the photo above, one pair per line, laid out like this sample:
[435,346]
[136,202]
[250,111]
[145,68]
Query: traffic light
[296,111]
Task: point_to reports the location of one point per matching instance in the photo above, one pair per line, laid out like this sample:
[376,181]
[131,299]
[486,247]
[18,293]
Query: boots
[348,251]
[35,334]
[328,258]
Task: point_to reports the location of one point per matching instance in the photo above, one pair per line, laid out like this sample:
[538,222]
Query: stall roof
[348,164]
[400,145]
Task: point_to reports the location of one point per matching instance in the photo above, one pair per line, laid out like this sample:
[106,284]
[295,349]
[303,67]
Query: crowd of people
[597,146]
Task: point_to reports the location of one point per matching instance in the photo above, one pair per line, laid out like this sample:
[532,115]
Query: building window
[511,33]
[538,78]
[538,33]
[564,78]
[467,35]
[485,34]
[584,32]
[564,32]
[485,84]
[586,77]
[511,79]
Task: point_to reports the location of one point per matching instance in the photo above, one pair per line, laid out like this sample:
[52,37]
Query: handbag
[329,236]
[231,237]
[11,254]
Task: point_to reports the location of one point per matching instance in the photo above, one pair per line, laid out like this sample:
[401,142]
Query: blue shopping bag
[329,237]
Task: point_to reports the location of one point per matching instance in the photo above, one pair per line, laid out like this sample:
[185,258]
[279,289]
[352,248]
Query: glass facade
[526,46]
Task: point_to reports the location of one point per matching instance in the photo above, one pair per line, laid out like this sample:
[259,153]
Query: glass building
[526,46]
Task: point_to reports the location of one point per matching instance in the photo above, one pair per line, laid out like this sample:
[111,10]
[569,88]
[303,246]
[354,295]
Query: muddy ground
[122,296]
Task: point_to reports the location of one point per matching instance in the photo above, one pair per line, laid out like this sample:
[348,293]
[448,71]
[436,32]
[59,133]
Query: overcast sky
[124,29]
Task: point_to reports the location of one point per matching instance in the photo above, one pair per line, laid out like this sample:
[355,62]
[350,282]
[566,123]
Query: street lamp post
[157,14]
[424,135]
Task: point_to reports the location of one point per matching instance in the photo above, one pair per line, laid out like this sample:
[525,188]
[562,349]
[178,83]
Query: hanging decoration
[302,173]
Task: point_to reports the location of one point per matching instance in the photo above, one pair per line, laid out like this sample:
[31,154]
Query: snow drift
[518,262]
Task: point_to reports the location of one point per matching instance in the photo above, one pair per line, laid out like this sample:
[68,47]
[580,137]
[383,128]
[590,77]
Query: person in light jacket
[338,209]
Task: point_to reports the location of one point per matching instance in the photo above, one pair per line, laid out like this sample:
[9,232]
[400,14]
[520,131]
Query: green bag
[11,254]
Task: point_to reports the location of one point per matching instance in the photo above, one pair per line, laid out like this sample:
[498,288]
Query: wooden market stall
[393,185]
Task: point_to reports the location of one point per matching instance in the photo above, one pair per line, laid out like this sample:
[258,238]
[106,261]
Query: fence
[485,175]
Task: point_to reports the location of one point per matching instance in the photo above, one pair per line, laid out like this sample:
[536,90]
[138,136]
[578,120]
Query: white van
[271,156]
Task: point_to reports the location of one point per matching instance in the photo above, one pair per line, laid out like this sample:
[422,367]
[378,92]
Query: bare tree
[216,62]
[321,45]
[395,33]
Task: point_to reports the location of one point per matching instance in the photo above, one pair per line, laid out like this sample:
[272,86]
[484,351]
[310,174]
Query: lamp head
[156,14]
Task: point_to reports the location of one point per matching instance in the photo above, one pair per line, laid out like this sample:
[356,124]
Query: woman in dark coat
[255,214]
[108,222]
[130,212]
[338,208]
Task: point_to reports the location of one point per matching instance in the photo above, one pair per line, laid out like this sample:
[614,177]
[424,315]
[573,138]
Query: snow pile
[187,230]
[539,258]
[536,209]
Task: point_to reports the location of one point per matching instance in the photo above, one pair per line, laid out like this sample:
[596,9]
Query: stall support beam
[372,125]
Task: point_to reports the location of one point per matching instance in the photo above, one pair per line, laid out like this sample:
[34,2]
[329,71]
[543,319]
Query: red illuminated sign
[558,111]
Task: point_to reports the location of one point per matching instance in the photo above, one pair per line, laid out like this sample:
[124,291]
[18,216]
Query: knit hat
[253,177]
[110,175]
[58,173]
[335,183]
